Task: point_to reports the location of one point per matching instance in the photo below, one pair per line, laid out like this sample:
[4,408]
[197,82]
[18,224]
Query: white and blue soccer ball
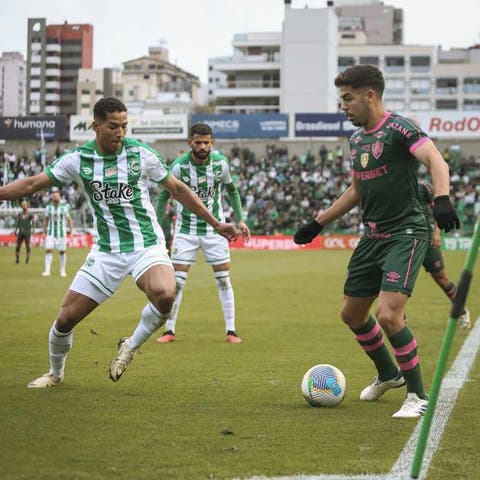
[324,386]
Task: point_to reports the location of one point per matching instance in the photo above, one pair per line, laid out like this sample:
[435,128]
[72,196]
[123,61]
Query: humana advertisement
[32,128]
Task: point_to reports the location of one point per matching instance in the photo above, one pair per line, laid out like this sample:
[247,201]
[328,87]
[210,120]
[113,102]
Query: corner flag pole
[458,306]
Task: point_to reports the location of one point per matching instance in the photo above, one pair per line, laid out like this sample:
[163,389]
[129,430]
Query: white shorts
[52,242]
[185,247]
[102,273]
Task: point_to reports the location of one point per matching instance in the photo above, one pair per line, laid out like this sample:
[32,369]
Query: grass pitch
[200,408]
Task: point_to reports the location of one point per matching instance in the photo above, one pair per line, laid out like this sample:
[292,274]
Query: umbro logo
[87,170]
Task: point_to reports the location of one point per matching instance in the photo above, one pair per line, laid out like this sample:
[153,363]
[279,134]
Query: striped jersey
[116,186]
[206,181]
[57,216]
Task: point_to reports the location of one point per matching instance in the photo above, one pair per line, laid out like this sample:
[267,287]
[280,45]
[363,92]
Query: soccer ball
[324,386]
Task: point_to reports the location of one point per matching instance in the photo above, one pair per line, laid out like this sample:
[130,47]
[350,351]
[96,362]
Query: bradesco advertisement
[322,125]
[258,125]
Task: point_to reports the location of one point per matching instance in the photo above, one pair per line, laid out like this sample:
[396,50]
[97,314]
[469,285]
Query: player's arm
[236,203]
[25,186]
[348,200]
[180,192]
[161,205]
[443,211]
[70,224]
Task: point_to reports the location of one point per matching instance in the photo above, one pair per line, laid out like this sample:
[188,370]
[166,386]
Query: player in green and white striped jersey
[114,171]
[205,172]
[57,216]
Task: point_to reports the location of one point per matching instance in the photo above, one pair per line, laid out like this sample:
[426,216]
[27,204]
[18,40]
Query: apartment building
[12,84]
[55,53]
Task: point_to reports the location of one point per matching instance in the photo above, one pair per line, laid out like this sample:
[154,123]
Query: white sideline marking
[451,385]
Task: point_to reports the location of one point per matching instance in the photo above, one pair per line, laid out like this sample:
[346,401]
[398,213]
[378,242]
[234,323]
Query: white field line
[451,385]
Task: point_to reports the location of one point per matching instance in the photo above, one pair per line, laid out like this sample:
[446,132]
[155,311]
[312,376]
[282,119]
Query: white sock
[151,320]
[227,298]
[63,262]
[59,345]
[180,280]
[48,262]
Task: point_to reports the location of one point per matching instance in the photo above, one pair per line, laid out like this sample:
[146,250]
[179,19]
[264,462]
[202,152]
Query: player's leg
[184,254]
[76,306]
[435,266]
[361,288]
[28,247]
[62,252]
[17,247]
[49,244]
[217,254]
[401,264]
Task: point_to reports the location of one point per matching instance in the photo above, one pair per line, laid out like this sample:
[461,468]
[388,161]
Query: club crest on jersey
[133,168]
[364,159]
[377,149]
[110,172]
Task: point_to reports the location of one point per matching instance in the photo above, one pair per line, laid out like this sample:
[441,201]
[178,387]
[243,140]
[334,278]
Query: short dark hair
[200,129]
[107,105]
[361,76]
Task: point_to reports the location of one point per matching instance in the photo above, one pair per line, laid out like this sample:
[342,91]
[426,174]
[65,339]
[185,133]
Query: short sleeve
[153,165]
[409,134]
[64,169]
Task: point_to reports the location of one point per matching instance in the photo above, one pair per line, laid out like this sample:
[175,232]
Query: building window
[346,61]
[420,86]
[446,85]
[420,63]
[85,105]
[420,105]
[369,61]
[85,92]
[471,85]
[395,105]
[471,104]
[394,85]
[394,64]
[446,104]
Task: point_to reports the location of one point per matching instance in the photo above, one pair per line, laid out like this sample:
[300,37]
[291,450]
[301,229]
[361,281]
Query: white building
[293,70]
[12,84]
[94,84]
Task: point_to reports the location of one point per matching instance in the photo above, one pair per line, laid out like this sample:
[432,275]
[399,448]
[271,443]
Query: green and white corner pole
[458,306]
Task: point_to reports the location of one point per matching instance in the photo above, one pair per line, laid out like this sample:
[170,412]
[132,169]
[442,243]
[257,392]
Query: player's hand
[444,213]
[228,231]
[244,231]
[306,233]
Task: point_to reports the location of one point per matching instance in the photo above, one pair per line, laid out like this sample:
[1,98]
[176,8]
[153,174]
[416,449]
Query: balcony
[250,88]
[264,61]
[52,84]
[54,97]
[53,60]
[54,47]
[53,72]
[35,72]
[35,59]
[34,83]
[36,47]
[52,109]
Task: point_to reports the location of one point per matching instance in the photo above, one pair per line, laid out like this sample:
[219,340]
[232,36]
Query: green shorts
[433,260]
[390,264]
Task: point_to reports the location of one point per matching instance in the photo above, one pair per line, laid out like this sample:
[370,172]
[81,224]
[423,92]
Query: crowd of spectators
[280,190]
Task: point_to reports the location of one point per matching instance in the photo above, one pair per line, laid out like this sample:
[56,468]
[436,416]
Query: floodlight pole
[458,307]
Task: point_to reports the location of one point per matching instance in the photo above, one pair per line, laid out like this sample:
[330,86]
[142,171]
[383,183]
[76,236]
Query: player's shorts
[391,265]
[102,272]
[433,260]
[59,243]
[185,247]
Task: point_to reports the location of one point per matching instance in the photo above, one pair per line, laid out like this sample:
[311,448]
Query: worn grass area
[200,408]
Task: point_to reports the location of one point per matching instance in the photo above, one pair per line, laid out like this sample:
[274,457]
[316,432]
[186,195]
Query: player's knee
[223,282]
[164,297]
[390,320]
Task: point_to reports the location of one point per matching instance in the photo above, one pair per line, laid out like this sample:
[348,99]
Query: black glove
[444,213]
[306,233]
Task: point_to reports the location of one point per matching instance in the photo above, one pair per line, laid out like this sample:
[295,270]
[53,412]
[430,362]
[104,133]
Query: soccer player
[114,171]
[57,216]
[385,150]
[205,172]
[433,262]
[23,230]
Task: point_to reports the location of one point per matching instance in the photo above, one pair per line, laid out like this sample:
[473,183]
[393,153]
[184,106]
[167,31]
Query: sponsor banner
[285,242]
[82,240]
[258,125]
[81,129]
[322,125]
[448,124]
[149,128]
[54,127]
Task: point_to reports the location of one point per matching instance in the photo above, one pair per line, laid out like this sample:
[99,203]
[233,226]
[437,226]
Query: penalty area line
[451,385]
